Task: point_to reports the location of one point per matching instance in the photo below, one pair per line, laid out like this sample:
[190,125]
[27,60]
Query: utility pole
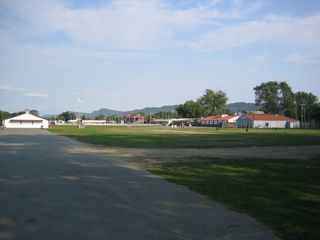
[303,115]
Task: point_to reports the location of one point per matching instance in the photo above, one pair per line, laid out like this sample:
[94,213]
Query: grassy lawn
[283,194]
[151,137]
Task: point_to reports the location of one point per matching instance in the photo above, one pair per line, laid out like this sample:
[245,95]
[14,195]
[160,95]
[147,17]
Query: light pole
[80,100]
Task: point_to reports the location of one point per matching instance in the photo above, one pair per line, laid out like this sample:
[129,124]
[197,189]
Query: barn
[26,120]
[262,120]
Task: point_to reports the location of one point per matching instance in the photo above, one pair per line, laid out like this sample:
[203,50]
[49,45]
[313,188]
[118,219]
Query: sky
[131,54]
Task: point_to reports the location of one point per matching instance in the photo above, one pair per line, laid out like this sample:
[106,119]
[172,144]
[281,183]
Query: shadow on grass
[285,194]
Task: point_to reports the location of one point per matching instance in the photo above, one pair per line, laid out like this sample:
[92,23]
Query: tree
[190,109]
[34,112]
[113,118]
[306,105]
[16,114]
[4,115]
[287,100]
[316,113]
[266,97]
[276,98]
[213,103]
[100,117]
[66,116]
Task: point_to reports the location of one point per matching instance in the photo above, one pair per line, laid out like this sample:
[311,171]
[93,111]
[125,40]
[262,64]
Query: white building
[26,120]
[94,122]
[267,121]
[219,121]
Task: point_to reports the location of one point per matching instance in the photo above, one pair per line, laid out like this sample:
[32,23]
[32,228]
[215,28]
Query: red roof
[218,118]
[224,118]
[209,118]
[270,117]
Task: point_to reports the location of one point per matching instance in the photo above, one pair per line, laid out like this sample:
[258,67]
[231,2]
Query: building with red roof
[133,118]
[219,121]
[262,120]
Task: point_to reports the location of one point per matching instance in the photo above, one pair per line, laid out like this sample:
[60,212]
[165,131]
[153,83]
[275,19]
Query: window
[267,124]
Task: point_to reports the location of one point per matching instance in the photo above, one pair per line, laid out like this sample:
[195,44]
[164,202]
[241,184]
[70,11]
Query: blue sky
[129,54]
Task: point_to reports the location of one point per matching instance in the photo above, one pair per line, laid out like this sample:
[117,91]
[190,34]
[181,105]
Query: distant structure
[26,120]
[262,120]
[223,120]
[133,118]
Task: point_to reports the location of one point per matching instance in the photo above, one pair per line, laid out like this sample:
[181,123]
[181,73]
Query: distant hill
[147,110]
[106,111]
[240,106]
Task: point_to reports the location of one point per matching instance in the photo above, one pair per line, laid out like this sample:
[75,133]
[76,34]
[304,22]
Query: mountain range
[237,106]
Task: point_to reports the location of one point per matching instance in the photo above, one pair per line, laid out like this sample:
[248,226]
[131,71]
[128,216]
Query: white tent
[26,120]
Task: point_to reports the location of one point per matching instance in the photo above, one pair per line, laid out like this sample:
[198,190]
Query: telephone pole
[303,114]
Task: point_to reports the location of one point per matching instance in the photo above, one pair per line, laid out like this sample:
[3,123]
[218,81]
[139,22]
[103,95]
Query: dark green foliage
[100,117]
[4,115]
[34,112]
[315,113]
[276,98]
[306,106]
[66,116]
[213,103]
[190,109]
[287,101]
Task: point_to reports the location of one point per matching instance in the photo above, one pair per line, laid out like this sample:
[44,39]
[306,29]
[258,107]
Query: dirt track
[138,156]
[49,192]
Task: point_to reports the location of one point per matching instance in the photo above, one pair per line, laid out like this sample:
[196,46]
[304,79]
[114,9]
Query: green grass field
[284,194]
[151,137]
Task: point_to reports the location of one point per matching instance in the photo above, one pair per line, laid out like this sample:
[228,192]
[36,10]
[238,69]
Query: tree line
[278,98]
[270,97]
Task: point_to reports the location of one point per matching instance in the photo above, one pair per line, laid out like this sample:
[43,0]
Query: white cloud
[41,95]
[296,32]
[11,88]
[121,24]
[302,58]
[126,30]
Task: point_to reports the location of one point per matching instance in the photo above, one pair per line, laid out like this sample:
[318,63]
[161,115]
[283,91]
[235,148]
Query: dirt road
[138,156]
[52,187]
